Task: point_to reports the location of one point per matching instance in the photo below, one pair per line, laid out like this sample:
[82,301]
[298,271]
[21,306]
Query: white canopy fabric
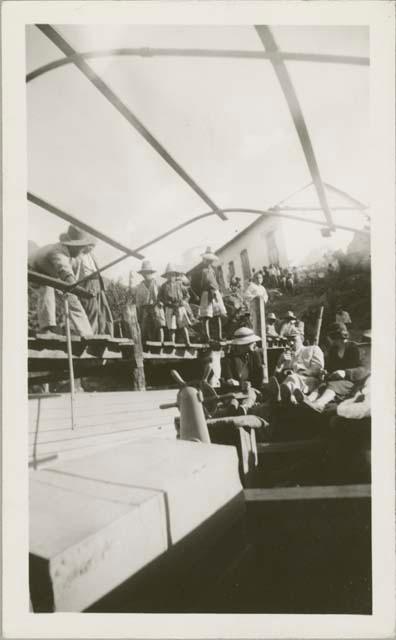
[225,121]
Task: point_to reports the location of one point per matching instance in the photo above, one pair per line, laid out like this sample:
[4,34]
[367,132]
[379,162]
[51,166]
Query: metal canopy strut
[258,212]
[356,203]
[287,87]
[82,225]
[105,90]
[151,52]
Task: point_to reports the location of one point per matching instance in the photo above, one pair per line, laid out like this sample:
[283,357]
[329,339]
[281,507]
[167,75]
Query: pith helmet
[244,336]
[209,255]
[170,268]
[146,267]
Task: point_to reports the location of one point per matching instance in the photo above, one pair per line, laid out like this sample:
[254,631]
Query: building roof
[255,223]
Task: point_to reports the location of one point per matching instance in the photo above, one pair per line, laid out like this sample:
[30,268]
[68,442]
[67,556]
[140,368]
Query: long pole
[70,358]
[259,314]
[319,325]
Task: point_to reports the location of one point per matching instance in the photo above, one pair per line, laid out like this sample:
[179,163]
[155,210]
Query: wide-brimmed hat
[146,267]
[171,268]
[337,330]
[209,255]
[75,237]
[290,315]
[244,336]
[271,316]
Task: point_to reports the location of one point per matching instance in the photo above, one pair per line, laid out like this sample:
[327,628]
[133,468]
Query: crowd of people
[168,310]
[330,380]
[332,385]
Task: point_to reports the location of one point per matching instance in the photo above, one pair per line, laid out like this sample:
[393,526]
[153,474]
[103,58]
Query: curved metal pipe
[259,212]
[148,52]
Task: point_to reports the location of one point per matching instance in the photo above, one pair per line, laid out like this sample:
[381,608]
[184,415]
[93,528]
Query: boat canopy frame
[277,58]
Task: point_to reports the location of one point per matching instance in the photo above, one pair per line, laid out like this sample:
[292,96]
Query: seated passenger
[300,368]
[244,362]
[271,327]
[343,362]
[358,406]
[243,368]
[290,323]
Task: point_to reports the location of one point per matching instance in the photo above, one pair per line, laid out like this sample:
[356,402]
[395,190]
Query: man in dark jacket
[243,367]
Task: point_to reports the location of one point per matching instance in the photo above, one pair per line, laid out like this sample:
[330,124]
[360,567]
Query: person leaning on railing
[56,261]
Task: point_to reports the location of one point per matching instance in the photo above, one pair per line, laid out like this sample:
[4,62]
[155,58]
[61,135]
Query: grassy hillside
[350,287]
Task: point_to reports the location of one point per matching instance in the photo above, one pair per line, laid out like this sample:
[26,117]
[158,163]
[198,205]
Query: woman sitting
[345,368]
[300,368]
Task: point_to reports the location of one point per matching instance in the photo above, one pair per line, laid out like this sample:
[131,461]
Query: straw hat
[75,237]
[291,315]
[146,267]
[170,268]
[244,336]
[271,316]
[209,255]
[367,333]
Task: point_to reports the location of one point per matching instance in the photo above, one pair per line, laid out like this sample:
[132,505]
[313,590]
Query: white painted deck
[101,420]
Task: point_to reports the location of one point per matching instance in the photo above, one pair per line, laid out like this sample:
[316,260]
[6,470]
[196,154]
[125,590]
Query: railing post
[319,325]
[259,327]
[129,316]
[69,357]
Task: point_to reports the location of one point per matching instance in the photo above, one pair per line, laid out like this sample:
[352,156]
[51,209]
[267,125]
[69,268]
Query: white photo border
[18,622]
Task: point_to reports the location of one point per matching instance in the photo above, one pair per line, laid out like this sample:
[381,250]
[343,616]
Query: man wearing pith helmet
[57,261]
[243,367]
[244,363]
[211,303]
[150,310]
[271,327]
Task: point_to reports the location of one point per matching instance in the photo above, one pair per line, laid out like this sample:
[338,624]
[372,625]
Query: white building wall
[255,242]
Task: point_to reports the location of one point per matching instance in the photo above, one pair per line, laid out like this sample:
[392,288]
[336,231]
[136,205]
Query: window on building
[273,253]
[220,277]
[231,270]
[246,272]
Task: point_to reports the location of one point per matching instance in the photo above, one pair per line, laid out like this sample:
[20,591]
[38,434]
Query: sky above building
[225,120]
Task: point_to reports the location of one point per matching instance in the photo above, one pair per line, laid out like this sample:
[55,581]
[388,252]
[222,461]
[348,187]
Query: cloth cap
[146,267]
[75,237]
[244,336]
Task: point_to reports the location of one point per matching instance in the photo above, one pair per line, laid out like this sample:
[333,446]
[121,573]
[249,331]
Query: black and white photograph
[200,310]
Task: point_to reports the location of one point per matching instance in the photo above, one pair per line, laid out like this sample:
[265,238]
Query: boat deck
[100,420]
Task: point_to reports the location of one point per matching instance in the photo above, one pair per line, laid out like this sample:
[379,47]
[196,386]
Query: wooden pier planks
[97,521]
[102,419]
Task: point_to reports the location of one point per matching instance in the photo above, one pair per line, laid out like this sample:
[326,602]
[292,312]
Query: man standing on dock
[56,261]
